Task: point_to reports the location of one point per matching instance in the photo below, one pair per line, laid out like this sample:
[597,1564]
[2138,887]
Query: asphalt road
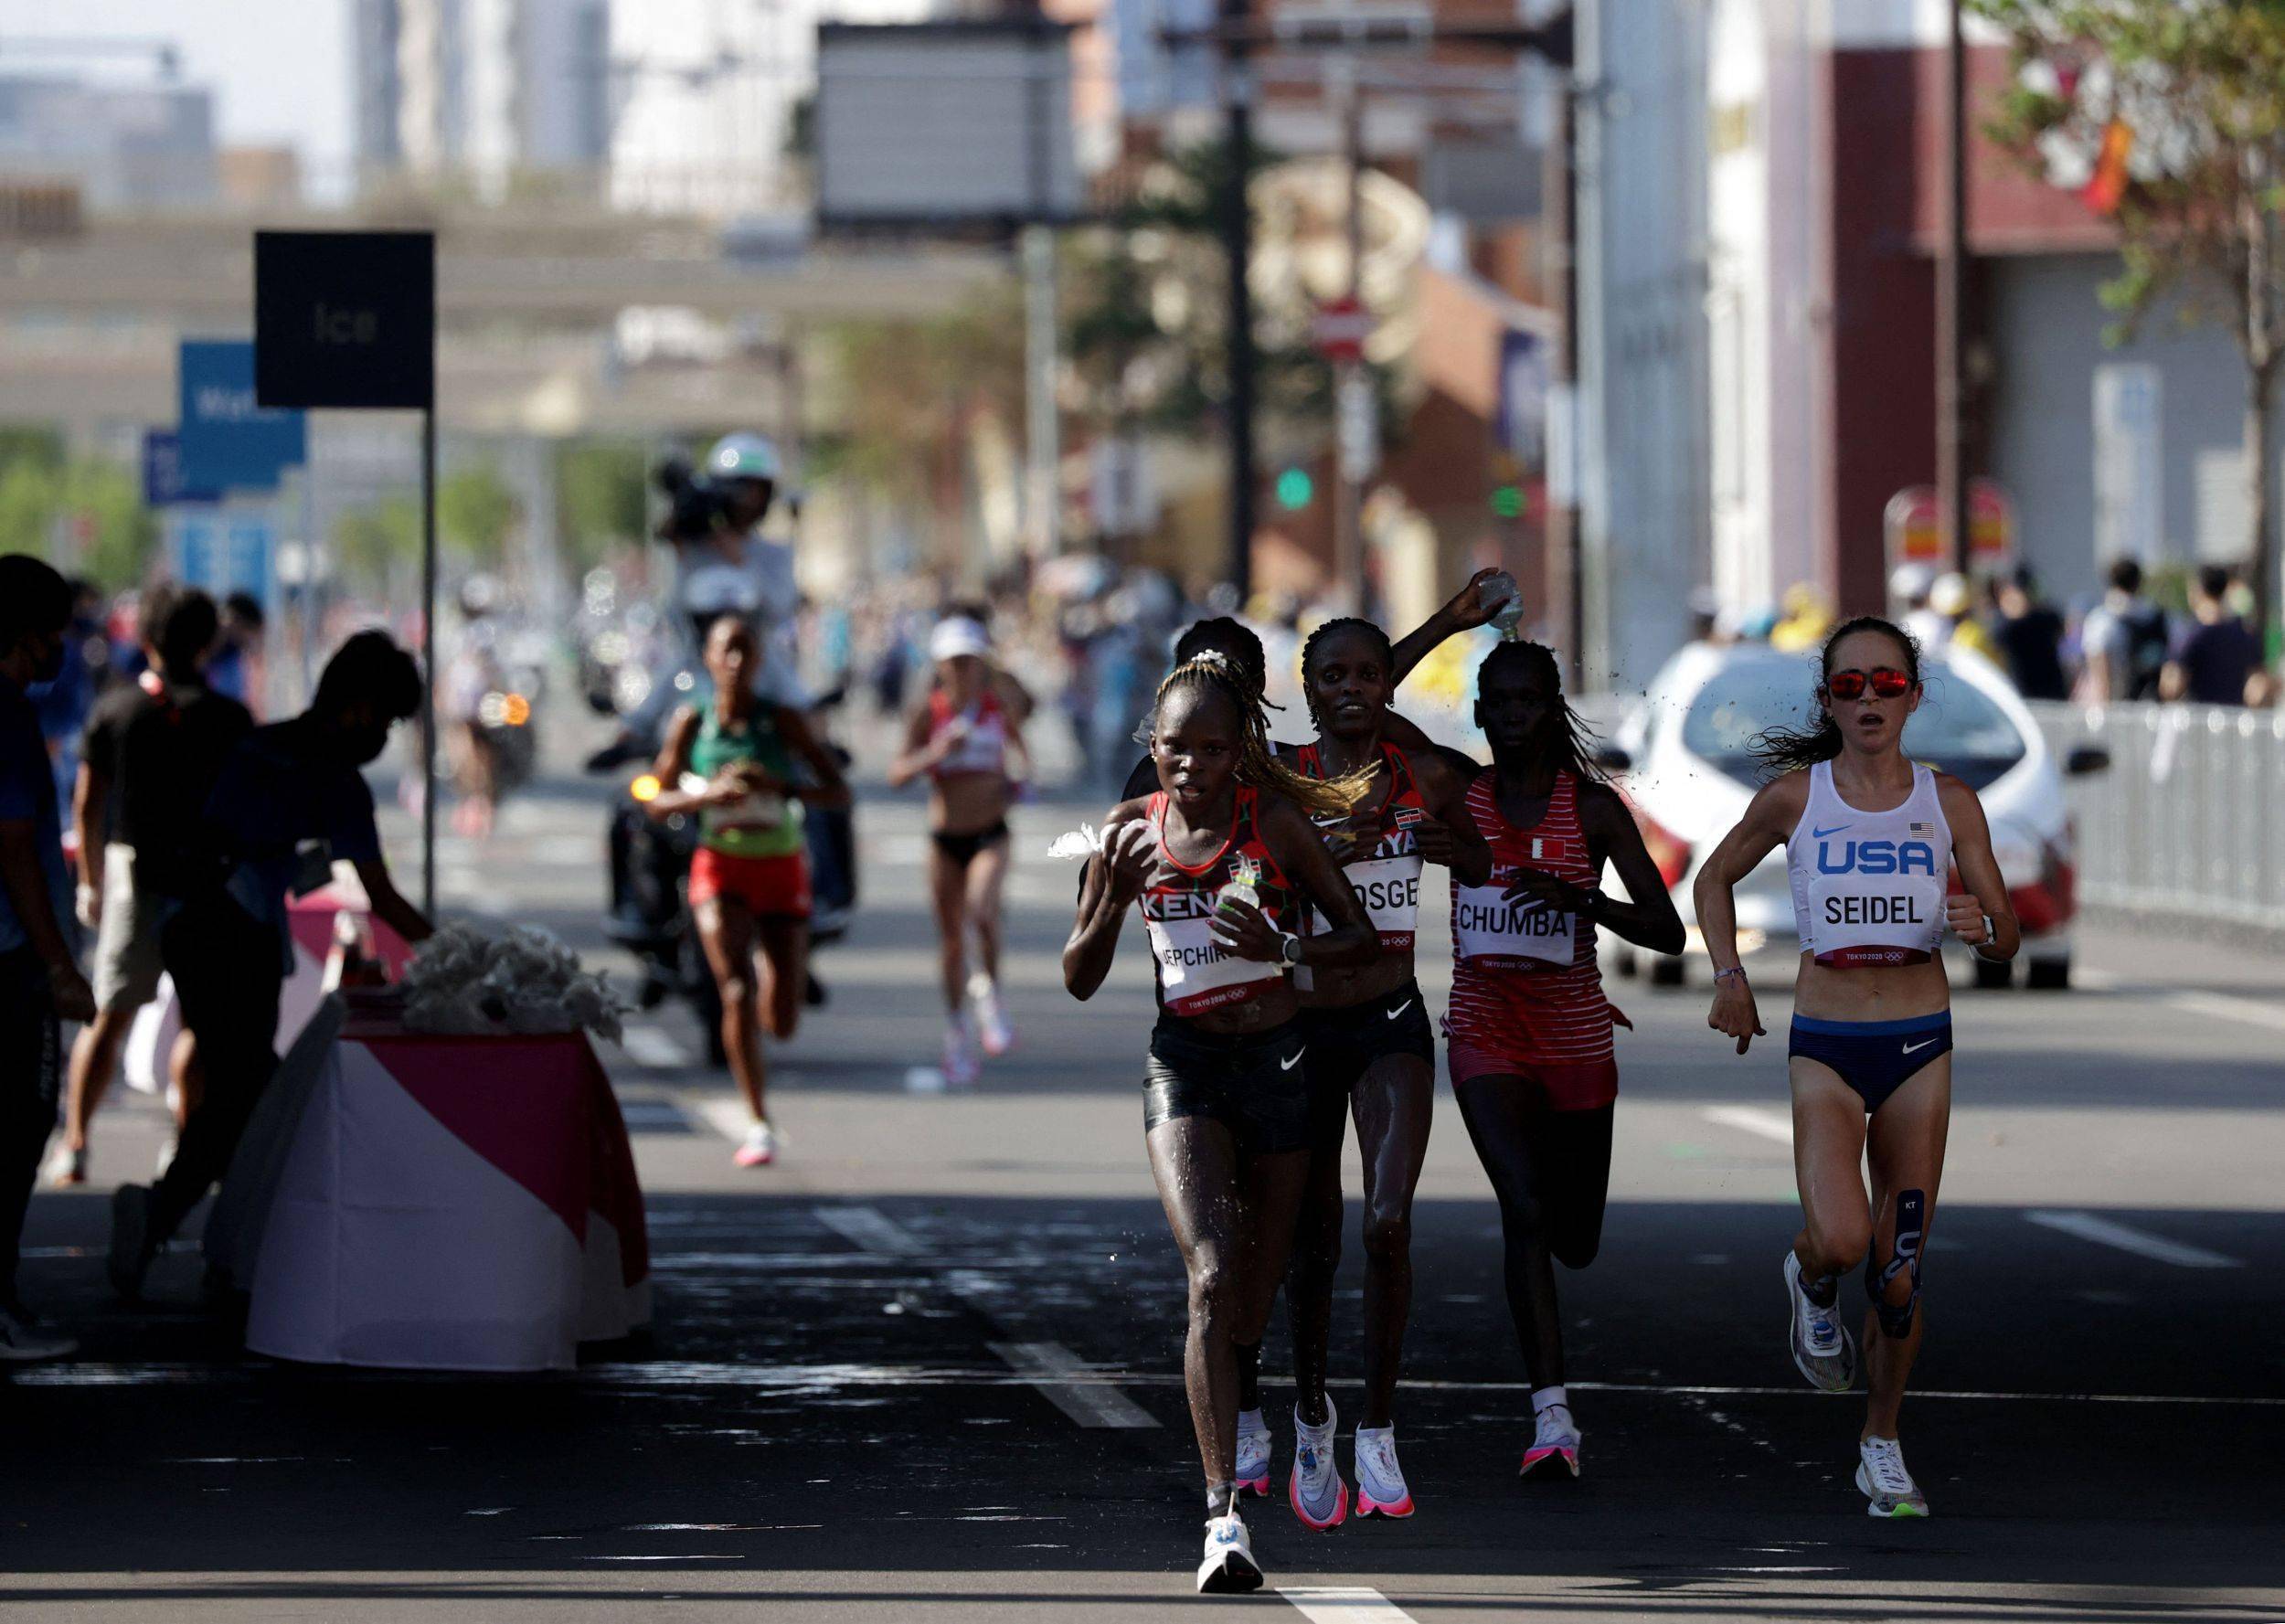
[928,1365]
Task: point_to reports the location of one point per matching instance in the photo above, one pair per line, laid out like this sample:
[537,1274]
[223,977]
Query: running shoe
[1318,1495]
[1254,1444]
[26,1338]
[1555,1437]
[992,1022]
[66,1166]
[1882,1479]
[962,1067]
[166,1155]
[1823,1350]
[131,1240]
[1229,1568]
[760,1147]
[1380,1490]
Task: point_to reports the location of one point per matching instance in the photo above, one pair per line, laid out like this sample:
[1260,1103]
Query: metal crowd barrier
[2187,820]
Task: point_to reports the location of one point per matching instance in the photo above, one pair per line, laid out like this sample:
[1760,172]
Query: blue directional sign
[163,471]
[229,442]
[221,550]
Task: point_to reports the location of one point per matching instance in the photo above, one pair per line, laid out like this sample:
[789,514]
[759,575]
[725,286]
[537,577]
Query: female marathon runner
[1371,1051]
[1529,1029]
[1870,837]
[1221,859]
[733,764]
[965,739]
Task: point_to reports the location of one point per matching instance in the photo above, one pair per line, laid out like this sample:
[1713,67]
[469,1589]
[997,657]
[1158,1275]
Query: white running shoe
[1823,1350]
[1380,1490]
[1254,1445]
[993,1027]
[1315,1490]
[1229,1568]
[760,1148]
[962,1067]
[66,1166]
[1882,1479]
[1555,1438]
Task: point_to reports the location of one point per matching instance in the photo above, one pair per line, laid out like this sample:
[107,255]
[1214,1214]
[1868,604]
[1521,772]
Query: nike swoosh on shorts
[1399,1009]
[1290,1065]
[1914,1048]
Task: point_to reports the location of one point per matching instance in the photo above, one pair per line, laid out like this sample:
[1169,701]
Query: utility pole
[1566,557]
[1352,383]
[1951,280]
[1238,141]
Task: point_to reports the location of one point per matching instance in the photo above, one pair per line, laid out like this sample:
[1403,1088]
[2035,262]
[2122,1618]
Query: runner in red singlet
[1220,858]
[1529,1028]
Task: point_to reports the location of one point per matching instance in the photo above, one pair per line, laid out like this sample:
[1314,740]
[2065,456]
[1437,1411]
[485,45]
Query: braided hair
[1257,765]
[1340,623]
[1572,745]
[1224,635]
[1782,750]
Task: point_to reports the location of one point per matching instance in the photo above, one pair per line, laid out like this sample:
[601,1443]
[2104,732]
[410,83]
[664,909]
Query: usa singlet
[1869,887]
[1194,974]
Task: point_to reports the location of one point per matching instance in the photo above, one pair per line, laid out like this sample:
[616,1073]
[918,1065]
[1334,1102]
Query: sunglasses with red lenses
[1885,683]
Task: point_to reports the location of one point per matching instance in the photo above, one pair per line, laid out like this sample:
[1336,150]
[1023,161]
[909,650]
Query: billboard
[945,126]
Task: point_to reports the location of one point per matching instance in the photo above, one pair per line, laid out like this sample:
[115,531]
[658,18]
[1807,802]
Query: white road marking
[647,1046]
[1049,1367]
[2222,1006]
[2109,1232]
[1343,1604]
[869,1230]
[729,1118]
[1758,1120]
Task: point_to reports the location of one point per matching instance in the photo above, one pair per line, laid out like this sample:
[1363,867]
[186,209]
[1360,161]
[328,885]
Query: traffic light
[1507,501]
[1295,489]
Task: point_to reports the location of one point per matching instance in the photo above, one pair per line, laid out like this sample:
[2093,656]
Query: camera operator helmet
[743,458]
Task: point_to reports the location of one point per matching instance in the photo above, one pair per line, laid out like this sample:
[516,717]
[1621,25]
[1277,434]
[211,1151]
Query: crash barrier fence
[2185,820]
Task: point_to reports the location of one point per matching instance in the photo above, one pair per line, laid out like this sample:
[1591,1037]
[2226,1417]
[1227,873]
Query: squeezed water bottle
[1241,890]
[1509,614]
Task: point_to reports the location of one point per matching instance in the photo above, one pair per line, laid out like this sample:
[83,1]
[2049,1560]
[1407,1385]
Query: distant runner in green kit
[733,763]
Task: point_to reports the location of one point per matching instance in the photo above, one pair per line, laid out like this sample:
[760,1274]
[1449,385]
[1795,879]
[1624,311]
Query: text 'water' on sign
[345,318]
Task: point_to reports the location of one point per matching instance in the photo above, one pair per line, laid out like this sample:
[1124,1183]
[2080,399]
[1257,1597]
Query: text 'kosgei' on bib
[1496,934]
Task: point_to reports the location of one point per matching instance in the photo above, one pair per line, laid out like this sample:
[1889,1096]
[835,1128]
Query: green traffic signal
[1507,501]
[1294,489]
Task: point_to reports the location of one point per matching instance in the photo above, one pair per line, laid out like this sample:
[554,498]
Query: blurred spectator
[287,803]
[64,703]
[235,670]
[1911,585]
[1954,599]
[1807,617]
[2124,640]
[126,802]
[2029,633]
[40,983]
[2220,654]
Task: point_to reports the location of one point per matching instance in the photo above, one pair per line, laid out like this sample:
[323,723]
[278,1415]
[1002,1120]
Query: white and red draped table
[311,920]
[436,1203]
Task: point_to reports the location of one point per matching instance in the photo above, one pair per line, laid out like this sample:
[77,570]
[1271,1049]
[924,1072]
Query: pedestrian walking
[2124,640]
[1870,837]
[40,984]
[2218,659]
[2029,632]
[147,741]
[288,802]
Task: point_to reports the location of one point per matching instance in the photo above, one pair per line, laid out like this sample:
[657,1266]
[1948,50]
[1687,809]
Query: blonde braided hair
[1257,764]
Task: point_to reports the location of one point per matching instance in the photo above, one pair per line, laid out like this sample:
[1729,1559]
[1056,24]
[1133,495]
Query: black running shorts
[1344,1042]
[1254,1086]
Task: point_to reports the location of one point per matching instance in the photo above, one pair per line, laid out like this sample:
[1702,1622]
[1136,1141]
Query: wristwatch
[1991,936]
[1288,949]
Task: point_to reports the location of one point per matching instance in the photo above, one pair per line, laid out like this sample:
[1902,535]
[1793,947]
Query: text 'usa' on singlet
[1194,974]
[1525,982]
[1386,873]
[983,747]
[1869,887]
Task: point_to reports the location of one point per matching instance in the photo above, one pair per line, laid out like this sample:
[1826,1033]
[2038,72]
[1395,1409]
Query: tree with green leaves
[2184,102]
[601,495]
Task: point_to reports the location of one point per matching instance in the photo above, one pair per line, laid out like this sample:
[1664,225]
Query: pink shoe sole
[1366,1506]
[1340,1505]
[1259,1486]
[753,1159]
[1535,1458]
